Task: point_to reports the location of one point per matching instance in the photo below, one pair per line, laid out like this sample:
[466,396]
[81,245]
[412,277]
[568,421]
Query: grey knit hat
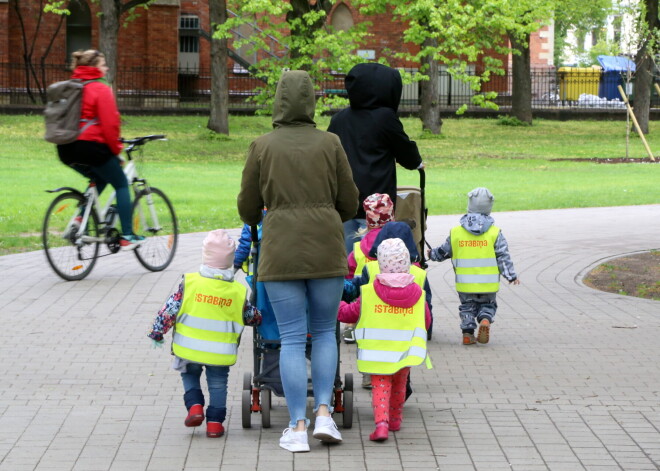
[480,200]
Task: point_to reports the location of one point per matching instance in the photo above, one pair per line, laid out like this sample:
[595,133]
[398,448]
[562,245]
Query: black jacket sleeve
[404,150]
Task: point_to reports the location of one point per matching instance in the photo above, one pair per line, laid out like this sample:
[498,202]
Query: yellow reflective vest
[374,269]
[473,257]
[360,258]
[389,338]
[210,321]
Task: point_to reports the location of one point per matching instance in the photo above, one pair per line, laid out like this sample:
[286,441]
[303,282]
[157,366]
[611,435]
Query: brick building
[165,41]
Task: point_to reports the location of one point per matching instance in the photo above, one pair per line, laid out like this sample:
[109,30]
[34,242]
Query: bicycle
[76,225]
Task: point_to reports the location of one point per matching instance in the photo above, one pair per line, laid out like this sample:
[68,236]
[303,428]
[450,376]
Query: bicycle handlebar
[140,141]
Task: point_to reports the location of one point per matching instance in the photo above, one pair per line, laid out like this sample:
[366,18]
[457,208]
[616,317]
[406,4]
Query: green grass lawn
[200,171]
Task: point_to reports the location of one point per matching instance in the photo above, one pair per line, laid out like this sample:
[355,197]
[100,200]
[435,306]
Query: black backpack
[62,113]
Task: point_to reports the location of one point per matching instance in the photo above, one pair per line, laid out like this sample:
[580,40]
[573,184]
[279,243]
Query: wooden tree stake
[634,120]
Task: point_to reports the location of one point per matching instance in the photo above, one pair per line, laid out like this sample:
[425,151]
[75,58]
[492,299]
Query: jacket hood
[399,230]
[87,72]
[368,241]
[295,100]
[476,223]
[399,297]
[371,85]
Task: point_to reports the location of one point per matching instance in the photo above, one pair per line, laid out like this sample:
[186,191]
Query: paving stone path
[570,380]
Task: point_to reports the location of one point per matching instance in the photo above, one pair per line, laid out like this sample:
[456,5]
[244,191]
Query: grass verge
[200,171]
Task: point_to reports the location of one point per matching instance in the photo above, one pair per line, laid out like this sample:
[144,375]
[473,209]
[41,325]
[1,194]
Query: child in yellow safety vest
[480,254]
[379,210]
[208,312]
[392,317]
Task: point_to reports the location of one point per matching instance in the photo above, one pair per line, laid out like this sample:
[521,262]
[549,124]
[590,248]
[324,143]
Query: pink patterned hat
[379,210]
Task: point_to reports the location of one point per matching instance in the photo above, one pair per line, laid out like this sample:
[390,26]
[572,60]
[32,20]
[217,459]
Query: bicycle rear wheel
[154,218]
[70,257]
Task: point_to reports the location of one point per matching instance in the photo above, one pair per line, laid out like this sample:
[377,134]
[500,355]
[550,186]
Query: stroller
[259,387]
[411,208]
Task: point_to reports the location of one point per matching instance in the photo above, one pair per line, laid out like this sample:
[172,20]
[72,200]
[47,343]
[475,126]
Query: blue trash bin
[615,69]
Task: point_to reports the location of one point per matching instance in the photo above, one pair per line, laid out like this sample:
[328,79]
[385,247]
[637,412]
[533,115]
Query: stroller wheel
[348,382]
[348,409]
[246,403]
[265,398]
[247,381]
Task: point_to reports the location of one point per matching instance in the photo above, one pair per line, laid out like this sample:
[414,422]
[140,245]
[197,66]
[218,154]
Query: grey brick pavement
[570,380]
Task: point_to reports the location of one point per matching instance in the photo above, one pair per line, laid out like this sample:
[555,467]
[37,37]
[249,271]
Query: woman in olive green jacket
[301,174]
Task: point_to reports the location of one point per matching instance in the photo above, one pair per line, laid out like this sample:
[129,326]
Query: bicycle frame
[91,195]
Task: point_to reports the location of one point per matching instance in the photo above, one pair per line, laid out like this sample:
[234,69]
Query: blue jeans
[111,172]
[216,379]
[351,227]
[291,301]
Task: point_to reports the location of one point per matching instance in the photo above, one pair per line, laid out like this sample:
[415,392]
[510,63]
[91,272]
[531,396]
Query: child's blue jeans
[216,379]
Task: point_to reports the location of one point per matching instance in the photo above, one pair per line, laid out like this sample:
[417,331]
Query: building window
[78,28]
[189,44]
[342,18]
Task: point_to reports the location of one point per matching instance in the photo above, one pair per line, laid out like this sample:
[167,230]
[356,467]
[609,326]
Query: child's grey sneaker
[325,429]
[366,381]
[295,442]
[349,334]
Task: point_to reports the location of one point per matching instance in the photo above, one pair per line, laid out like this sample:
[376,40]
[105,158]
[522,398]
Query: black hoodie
[371,133]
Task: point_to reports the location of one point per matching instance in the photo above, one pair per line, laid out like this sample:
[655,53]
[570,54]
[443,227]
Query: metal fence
[172,89]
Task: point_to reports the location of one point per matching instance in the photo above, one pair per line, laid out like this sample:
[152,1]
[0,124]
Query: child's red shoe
[214,429]
[195,416]
[381,433]
[394,425]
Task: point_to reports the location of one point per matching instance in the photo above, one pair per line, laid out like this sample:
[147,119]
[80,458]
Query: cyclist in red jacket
[95,153]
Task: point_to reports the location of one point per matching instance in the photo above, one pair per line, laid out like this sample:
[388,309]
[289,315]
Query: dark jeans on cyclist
[96,162]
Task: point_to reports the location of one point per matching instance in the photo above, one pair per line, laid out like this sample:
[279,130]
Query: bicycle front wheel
[154,218]
[69,255]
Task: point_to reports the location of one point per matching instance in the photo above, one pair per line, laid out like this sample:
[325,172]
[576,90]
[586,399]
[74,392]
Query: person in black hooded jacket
[373,136]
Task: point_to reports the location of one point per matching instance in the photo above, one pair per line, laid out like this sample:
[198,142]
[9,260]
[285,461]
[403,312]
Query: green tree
[459,32]
[648,32]
[581,16]
[453,33]
[219,111]
[519,19]
[304,40]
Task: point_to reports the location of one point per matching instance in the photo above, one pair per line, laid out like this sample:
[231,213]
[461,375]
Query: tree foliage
[579,15]
[303,41]
[455,33]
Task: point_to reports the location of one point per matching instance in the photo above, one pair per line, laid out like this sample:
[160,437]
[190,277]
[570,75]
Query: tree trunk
[109,34]
[643,74]
[521,92]
[429,95]
[219,117]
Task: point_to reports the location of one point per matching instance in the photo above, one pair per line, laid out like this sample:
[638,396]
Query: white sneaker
[325,429]
[294,442]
